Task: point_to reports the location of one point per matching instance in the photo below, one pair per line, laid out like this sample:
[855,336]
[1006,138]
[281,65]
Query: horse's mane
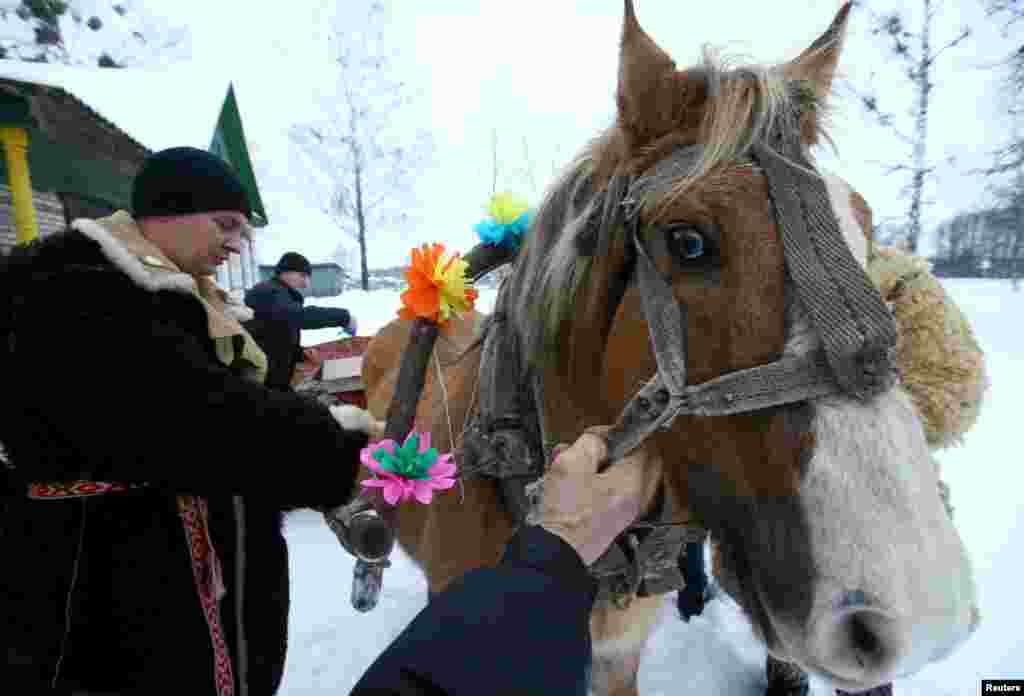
[578,221]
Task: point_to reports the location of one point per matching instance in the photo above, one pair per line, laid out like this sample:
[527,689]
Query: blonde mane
[578,221]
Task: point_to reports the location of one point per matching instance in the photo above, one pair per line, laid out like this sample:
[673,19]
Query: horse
[829,527]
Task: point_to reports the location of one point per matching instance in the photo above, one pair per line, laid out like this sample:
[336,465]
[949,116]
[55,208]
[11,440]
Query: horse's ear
[818,63]
[644,69]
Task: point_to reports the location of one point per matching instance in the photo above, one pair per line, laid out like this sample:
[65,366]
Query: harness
[506,441]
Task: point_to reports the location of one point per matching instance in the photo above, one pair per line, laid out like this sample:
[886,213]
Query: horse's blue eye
[689,242]
[693,245]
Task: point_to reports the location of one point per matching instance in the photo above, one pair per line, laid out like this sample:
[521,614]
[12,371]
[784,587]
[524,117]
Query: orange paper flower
[438,287]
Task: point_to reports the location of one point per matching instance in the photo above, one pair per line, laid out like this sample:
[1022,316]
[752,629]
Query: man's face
[205,240]
[295,280]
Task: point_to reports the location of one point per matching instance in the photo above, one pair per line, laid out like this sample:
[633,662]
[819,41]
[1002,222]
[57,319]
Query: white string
[448,416]
[71,594]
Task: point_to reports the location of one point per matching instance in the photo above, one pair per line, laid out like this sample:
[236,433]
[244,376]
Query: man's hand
[586,509]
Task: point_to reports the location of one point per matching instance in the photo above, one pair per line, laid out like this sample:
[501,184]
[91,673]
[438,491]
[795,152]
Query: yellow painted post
[15,142]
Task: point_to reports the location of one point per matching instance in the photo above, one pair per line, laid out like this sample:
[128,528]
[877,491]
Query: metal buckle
[362,531]
[628,585]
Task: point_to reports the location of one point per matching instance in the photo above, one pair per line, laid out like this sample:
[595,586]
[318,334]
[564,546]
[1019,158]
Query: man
[142,544]
[148,466]
[280,317]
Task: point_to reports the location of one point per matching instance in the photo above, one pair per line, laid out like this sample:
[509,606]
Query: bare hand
[586,509]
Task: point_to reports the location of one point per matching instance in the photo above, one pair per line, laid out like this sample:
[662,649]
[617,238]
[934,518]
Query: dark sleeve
[270,302]
[141,397]
[324,317]
[521,627]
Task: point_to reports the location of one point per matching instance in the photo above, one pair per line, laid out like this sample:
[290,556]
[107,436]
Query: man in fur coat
[148,466]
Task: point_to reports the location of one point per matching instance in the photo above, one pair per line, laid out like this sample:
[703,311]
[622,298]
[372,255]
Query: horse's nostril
[860,641]
[865,643]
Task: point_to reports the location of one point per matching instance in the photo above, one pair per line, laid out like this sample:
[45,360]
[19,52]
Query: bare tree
[110,33]
[520,177]
[1009,10]
[495,165]
[358,143]
[1006,173]
[348,258]
[515,169]
[915,50]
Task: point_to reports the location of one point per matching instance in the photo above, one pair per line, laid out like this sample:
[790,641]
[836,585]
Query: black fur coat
[109,378]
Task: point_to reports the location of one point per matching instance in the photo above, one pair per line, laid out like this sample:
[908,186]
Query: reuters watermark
[1002,686]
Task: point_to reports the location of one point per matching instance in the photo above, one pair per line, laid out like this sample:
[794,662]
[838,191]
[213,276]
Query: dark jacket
[277,326]
[106,381]
[520,628]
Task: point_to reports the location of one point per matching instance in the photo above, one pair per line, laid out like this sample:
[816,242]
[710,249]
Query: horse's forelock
[577,221]
[745,105]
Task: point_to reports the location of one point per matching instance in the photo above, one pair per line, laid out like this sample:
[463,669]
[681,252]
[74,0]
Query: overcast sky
[543,70]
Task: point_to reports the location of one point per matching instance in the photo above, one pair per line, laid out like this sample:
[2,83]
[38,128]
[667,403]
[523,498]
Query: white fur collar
[119,255]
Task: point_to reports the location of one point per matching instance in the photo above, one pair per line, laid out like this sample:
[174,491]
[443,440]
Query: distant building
[328,279]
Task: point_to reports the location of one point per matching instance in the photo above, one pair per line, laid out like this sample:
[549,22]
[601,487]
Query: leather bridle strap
[857,330]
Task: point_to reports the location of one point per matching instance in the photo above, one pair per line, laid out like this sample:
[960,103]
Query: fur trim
[124,260]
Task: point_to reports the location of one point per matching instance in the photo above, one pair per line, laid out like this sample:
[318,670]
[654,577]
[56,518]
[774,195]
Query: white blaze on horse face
[839,193]
[894,588]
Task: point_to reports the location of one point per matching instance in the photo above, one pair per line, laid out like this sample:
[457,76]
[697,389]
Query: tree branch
[964,33]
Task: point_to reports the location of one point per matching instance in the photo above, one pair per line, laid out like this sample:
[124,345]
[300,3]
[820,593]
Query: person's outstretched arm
[325,317]
[521,627]
[482,635]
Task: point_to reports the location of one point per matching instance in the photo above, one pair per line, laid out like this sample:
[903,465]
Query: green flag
[229,144]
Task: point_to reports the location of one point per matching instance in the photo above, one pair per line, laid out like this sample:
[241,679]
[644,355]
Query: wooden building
[63,160]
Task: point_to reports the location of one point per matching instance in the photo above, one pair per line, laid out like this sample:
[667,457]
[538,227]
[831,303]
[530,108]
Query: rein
[505,439]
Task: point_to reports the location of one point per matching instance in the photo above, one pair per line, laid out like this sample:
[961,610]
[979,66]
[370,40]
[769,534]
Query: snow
[331,644]
[135,37]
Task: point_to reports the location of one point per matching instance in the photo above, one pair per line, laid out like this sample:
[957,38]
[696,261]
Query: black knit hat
[292,261]
[185,180]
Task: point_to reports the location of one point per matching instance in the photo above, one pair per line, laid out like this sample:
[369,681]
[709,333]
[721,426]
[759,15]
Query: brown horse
[832,533]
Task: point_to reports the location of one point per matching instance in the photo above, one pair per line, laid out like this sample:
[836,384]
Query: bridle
[506,439]
[858,338]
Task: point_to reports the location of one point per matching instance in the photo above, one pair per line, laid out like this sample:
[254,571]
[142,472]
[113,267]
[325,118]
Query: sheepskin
[942,366]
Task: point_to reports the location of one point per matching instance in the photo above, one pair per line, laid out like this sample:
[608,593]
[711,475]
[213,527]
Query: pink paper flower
[414,470]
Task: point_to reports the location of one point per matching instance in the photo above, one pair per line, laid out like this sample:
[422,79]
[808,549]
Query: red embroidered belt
[77,489]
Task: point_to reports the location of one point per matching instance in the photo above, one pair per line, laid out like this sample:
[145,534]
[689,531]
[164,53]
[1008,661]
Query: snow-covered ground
[331,644]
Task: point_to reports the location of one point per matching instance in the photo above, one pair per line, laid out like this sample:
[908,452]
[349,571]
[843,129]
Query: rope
[448,417]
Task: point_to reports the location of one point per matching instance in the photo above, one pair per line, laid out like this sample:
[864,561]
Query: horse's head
[833,534]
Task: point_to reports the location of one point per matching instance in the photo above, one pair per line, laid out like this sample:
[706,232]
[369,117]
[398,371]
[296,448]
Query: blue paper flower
[509,219]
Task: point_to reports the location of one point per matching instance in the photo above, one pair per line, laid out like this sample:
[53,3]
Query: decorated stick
[438,289]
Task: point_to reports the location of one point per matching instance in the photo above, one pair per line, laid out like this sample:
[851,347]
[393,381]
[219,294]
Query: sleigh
[335,377]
